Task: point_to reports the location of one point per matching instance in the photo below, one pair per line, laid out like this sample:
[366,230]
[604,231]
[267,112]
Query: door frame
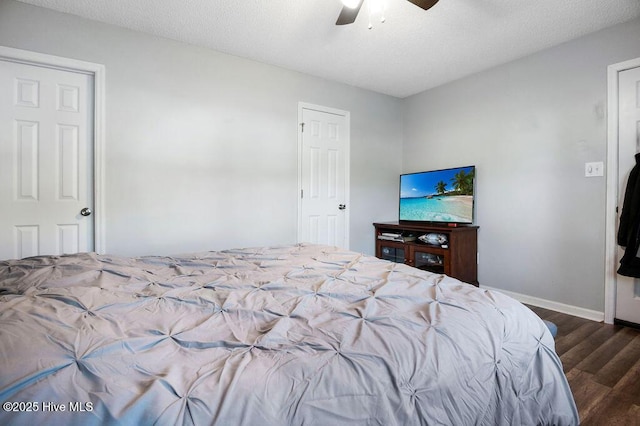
[610,268]
[98,72]
[347,116]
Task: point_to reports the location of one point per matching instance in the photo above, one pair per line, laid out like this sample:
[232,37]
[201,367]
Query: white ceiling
[412,51]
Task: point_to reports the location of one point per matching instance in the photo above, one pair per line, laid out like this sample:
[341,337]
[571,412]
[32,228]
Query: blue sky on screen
[424,183]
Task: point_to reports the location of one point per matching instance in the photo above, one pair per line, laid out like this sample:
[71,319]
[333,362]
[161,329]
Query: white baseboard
[554,306]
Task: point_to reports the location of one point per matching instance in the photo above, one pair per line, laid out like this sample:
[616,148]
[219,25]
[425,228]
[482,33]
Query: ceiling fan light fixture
[351,4]
[349,13]
[376,8]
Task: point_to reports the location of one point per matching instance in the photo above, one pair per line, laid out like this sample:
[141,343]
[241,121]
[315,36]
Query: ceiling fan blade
[348,15]
[425,4]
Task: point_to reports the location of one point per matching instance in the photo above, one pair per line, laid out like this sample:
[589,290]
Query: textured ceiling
[412,51]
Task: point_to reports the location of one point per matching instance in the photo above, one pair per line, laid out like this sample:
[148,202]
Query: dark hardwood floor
[602,364]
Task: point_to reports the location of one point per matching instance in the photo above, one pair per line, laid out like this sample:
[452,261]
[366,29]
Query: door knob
[342,206]
[86,211]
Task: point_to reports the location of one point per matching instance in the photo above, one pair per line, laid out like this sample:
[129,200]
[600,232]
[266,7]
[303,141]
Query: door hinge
[302,127]
[302,193]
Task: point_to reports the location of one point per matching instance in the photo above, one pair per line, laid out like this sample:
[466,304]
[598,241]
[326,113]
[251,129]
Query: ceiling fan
[352,7]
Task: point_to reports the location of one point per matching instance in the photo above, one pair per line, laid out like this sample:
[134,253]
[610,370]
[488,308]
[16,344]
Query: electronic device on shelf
[435,239]
[429,259]
[400,237]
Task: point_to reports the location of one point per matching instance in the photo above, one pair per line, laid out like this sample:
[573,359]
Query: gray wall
[201,147]
[529,126]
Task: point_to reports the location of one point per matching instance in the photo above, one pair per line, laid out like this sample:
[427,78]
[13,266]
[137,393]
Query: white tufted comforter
[295,335]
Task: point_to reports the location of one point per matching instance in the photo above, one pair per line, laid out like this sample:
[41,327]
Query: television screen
[438,196]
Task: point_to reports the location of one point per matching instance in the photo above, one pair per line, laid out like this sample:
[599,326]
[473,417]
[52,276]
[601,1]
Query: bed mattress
[293,335]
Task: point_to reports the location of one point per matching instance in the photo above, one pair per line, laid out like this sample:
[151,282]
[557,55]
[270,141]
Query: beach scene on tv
[438,196]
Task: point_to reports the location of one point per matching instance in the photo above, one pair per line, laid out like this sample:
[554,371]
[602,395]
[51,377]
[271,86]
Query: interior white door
[46,160]
[323,212]
[628,289]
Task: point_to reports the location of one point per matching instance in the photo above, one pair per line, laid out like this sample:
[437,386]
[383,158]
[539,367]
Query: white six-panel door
[323,215]
[628,289]
[46,127]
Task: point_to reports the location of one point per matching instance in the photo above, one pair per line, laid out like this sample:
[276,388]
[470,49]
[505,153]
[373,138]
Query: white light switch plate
[594,169]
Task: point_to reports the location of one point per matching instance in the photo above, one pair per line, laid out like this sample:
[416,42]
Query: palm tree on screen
[463,182]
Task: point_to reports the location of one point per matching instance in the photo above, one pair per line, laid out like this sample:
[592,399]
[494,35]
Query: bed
[293,335]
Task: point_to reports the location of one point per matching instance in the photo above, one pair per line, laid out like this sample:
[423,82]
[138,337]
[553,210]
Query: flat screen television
[438,196]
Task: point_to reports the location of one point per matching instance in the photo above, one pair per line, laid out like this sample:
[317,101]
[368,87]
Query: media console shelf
[456,257]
